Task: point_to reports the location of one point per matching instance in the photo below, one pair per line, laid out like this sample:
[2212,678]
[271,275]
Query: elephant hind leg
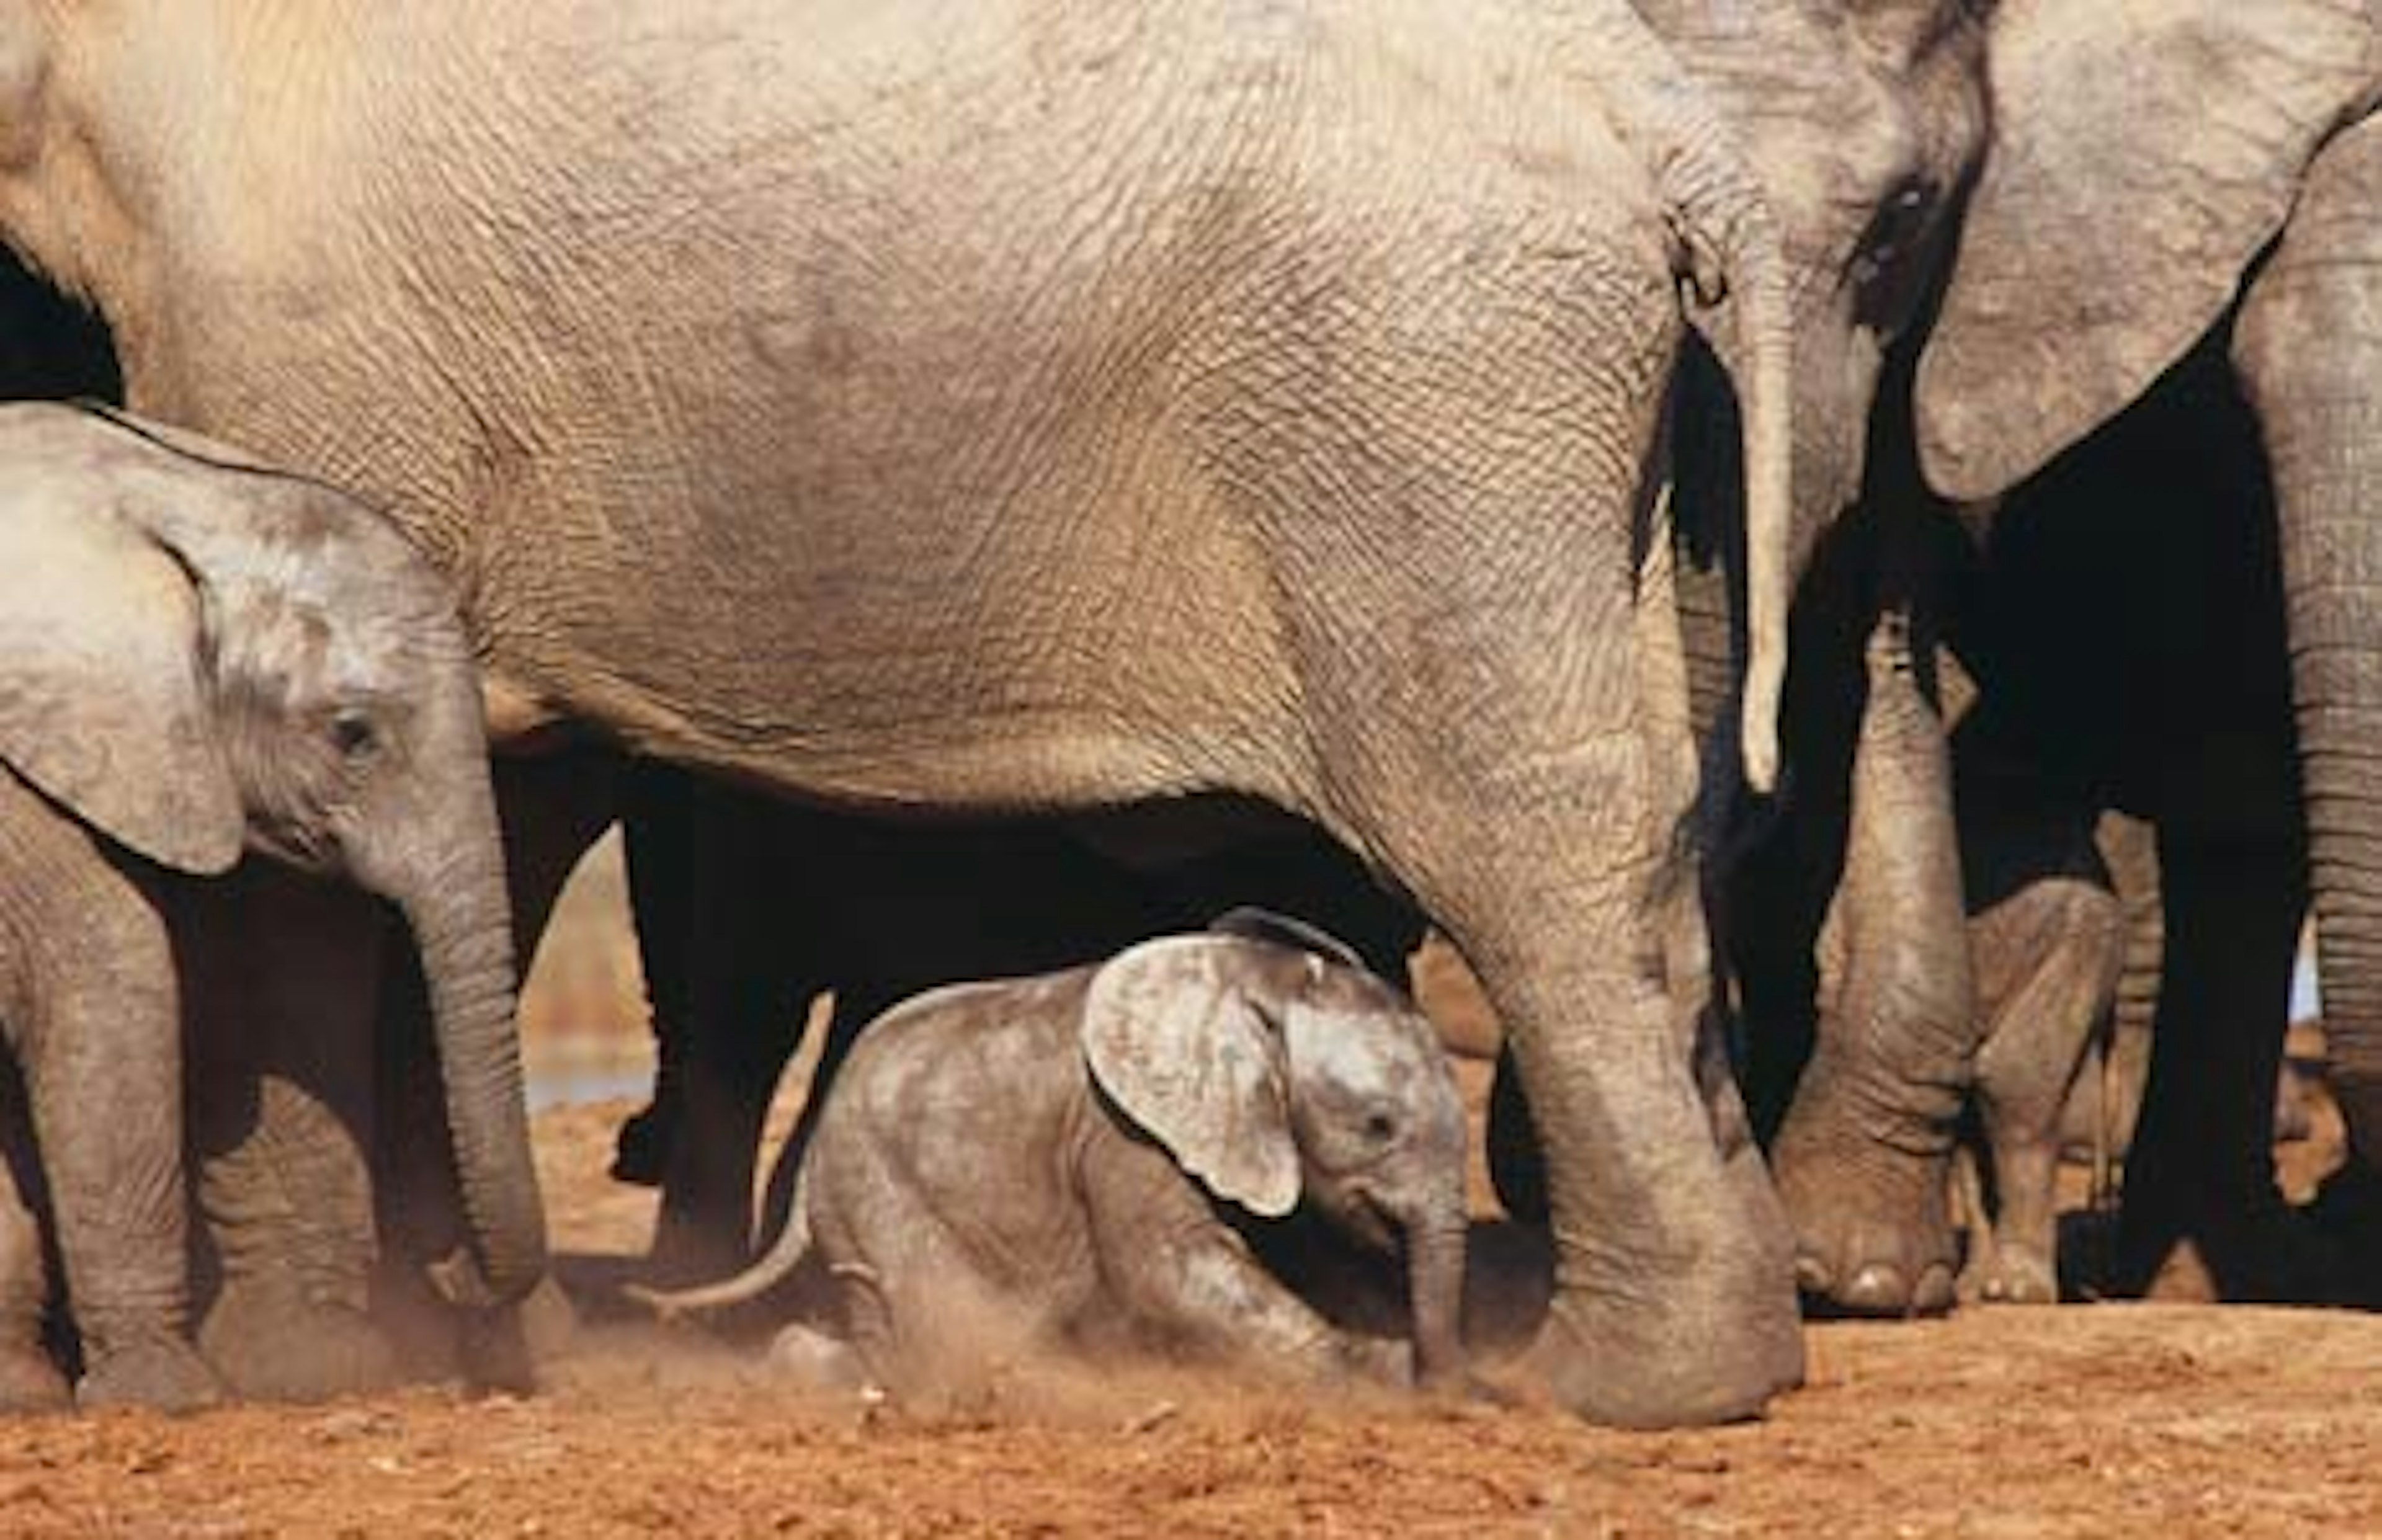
[2047,961]
[30,1378]
[2202,1213]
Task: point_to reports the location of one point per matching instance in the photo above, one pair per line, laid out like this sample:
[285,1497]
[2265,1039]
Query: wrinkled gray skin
[205,659]
[1860,190]
[629,322]
[747,908]
[1862,157]
[1048,1161]
[2263,213]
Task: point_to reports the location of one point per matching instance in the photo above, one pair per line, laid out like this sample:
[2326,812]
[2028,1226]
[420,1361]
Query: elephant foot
[2256,1251]
[641,1153]
[816,1361]
[2009,1273]
[1872,1224]
[31,1381]
[284,1350]
[2347,1214]
[1673,1372]
[161,1376]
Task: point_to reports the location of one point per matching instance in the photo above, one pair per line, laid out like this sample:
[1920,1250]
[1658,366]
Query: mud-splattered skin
[755,370]
[1006,1167]
[204,658]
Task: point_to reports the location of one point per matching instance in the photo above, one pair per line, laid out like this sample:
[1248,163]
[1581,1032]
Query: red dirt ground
[2103,1420]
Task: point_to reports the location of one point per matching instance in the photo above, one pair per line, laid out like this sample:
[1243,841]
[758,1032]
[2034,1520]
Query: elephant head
[1274,1075]
[1864,120]
[204,656]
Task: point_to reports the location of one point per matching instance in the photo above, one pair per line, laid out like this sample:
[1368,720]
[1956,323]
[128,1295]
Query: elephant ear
[1263,924]
[103,706]
[2143,155]
[1173,1036]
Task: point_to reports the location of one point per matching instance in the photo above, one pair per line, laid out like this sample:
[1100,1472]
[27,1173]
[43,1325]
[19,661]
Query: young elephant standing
[199,656]
[1012,1163]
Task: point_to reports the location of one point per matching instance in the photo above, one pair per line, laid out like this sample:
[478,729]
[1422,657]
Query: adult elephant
[2252,236]
[753,372]
[1859,208]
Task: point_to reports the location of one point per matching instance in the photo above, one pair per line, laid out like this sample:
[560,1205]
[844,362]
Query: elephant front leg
[109,1127]
[1862,1158]
[284,1003]
[2048,957]
[31,1379]
[1674,1298]
[2202,1213]
[1188,1284]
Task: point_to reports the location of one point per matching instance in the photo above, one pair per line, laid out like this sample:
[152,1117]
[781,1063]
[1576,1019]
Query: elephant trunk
[466,962]
[449,884]
[2329,469]
[2307,351]
[1434,1251]
[1729,247]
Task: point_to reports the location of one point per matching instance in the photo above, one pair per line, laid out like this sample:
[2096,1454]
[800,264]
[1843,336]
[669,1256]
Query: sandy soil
[2102,1419]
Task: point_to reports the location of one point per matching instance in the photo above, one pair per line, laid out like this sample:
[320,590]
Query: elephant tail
[1728,247]
[786,1253]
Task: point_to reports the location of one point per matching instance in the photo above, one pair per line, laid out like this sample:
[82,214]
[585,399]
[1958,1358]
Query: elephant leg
[743,978]
[2049,949]
[2098,1124]
[1861,1157]
[1550,865]
[103,1061]
[658,850]
[31,1379]
[2201,1214]
[282,971]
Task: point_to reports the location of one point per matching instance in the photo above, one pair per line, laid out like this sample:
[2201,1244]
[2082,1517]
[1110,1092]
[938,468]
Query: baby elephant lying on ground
[1071,1160]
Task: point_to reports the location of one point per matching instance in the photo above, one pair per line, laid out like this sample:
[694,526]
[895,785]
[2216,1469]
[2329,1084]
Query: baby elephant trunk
[1434,1248]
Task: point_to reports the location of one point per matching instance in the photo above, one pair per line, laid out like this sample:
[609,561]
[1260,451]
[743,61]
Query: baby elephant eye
[1381,1128]
[353,734]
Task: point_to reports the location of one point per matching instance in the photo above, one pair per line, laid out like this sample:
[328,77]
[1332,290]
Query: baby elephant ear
[102,704]
[1173,1037]
[1264,925]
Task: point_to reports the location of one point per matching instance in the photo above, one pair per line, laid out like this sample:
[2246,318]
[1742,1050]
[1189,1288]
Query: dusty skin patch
[2089,1420]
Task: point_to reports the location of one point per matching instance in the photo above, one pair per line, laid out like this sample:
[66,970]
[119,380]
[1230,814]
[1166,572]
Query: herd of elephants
[1818,543]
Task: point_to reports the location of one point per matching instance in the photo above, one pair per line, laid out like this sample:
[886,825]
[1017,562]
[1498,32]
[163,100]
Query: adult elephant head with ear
[2159,170]
[200,657]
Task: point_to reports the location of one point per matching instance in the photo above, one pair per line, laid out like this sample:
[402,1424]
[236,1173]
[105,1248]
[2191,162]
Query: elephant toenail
[1811,1275]
[1877,1290]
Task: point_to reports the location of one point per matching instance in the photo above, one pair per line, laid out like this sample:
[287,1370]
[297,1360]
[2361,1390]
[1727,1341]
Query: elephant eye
[1381,1128]
[353,734]
[1895,228]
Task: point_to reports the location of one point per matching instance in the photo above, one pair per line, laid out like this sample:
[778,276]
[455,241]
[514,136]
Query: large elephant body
[1028,406]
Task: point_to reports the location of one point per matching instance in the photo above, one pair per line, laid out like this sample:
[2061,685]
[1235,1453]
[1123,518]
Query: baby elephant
[1050,1161]
[199,658]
